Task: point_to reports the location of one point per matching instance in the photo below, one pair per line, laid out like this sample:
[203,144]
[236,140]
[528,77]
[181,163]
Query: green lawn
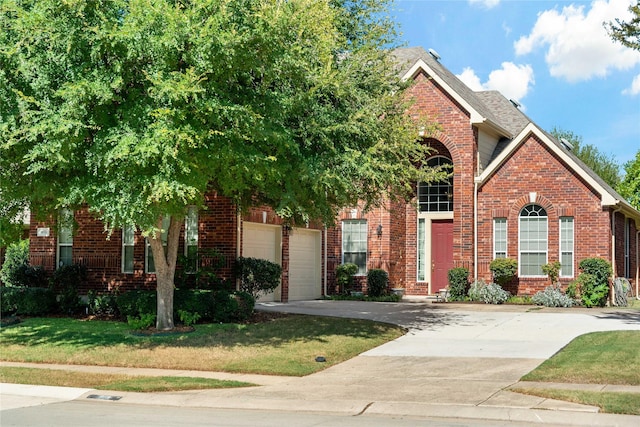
[62,378]
[597,358]
[283,346]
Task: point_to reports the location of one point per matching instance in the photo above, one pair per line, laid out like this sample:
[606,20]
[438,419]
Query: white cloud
[634,89]
[512,80]
[577,43]
[489,4]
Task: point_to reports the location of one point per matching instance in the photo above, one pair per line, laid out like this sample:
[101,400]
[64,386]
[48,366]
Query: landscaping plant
[552,296]
[257,276]
[491,293]
[344,276]
[458,283]
[503,270]
[592,285]
[377,282]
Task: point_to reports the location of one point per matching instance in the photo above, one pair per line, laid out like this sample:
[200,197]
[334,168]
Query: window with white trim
[128,240]
[65,238]
[150,266]
[354,244]
[436,196]
[533,240]
[566,246]
[499,238]
[191,240]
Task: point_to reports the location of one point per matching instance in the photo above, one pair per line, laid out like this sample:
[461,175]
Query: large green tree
[627,32]
[605,165]
[629,188]
[137,108]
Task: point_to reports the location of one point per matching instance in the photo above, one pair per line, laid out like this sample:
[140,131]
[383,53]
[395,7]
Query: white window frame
[191,239]
[627,247]
[128,244]
[148,255]
[65,236]
[566,249]
[421,250]
[526,219]
[362,270]
[500,252]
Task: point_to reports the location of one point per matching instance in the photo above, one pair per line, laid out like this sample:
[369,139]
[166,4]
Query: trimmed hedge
[27,301]
[458,283]
[377,282]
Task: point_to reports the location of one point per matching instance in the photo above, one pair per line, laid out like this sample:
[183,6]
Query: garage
[304,266]
[263,241]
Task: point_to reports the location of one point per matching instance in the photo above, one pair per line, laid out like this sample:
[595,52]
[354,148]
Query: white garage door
[304,266]
[263,241]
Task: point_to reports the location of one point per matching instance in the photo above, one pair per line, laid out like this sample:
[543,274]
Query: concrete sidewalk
[456,361]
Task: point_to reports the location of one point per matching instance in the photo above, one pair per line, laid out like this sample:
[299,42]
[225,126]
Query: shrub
[137,302]
[102,304]
[16,257]
[552,270]
[27,301]
[257,276]
[232,307]
[377,282]
[599,268]
[489,294]
[66,280]
[458,283]
[201,269]
[144,321]
[188,318]
[198,301]
[552,296]
[592,285]
[344,276]
[588,291]
[503,270]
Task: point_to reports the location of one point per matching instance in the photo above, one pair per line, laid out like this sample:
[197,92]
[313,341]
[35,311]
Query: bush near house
[377,282]
[591,286]
[16,256]
[503,270]
[344,276]
[26,301]
[66,281]
[257,276]
[458,283]
[491,293]
[552,296]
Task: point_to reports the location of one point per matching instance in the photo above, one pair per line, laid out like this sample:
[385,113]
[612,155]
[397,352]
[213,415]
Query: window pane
[566,247]
[127,262]
[500,237]
[436,196]
[354,244]
[65,256]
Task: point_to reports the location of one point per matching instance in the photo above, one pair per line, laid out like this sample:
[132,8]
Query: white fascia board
[420,65]
[606,198]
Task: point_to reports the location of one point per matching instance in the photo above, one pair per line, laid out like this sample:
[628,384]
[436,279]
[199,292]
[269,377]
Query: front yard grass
[284,346]
[609,357]
[61,378]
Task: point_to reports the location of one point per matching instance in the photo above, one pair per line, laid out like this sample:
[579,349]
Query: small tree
[552,270]
[503,270]
[16,257]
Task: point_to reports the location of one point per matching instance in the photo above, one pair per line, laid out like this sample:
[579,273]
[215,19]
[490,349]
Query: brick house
[515,192]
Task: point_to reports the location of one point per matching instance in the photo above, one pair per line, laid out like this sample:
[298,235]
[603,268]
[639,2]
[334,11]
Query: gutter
[475,230]
[325,261]
[637,263]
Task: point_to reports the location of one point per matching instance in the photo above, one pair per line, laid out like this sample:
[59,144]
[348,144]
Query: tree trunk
[165,264]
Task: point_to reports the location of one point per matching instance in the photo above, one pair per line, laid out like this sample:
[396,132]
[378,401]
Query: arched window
[533,240]
[436,196]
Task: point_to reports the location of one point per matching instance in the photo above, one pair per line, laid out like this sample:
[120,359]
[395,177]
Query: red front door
[441,253]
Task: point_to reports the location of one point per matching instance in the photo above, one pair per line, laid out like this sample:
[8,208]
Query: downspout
[475,231]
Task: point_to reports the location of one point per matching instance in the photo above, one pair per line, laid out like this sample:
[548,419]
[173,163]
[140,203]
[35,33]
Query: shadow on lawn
[61,332]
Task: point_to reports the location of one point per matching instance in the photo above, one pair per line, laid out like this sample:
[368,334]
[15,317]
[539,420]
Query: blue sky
[554,57]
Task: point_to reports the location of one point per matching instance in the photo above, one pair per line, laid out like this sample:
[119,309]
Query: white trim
[124,246]
[506,240]
[573,246]
[64,227]
[607,199]
[366,242]
[546,251]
